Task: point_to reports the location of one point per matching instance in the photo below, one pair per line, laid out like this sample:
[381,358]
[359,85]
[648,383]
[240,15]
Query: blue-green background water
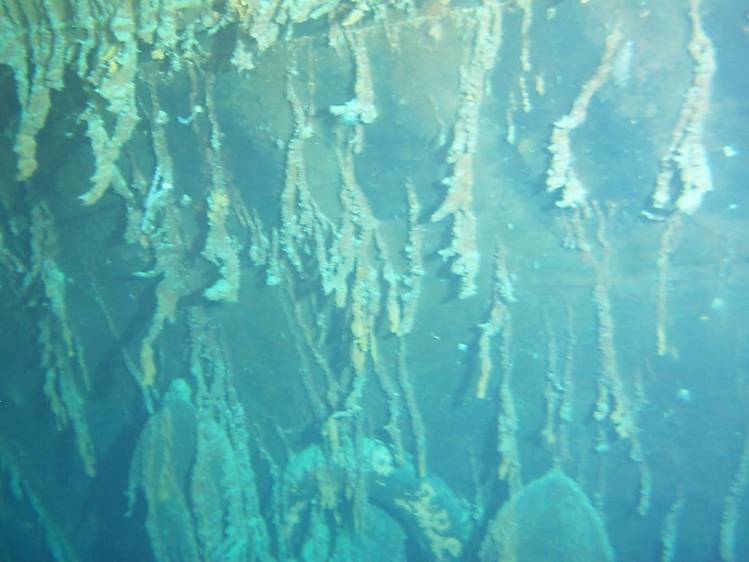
[261,436]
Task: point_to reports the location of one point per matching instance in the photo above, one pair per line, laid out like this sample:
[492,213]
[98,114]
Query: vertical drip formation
[344,279]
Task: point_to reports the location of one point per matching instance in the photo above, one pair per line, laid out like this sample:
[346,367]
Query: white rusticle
[154,200]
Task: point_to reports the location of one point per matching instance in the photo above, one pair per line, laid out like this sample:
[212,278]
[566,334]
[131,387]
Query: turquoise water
[417,281]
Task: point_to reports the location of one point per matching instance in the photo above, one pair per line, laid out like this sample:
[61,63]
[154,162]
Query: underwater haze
[374,280]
